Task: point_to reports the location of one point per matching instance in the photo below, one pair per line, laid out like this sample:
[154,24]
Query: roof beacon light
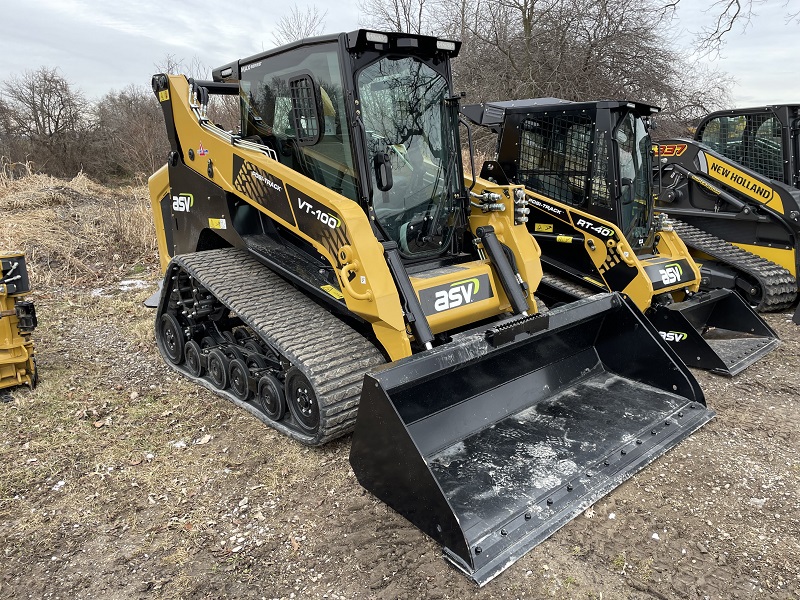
[445,45]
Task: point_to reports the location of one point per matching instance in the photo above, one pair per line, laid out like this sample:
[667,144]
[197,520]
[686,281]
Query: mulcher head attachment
[715,330]
[491,443]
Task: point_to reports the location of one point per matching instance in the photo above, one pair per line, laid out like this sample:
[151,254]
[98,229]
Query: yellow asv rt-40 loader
[587,167]
[17,322]
[328,269]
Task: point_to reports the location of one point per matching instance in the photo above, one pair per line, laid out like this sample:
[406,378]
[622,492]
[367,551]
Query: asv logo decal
[671,273]
[182,202]
[601,230]
[460,292]
[673,336]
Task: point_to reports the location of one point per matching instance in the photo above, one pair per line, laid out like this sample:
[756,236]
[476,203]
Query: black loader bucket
[715,330]
[491,443]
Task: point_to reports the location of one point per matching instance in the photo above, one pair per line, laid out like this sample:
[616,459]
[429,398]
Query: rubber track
[780,287]
[567,286]
[333,356]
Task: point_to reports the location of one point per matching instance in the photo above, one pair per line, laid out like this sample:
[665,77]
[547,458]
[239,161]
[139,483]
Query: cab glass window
[276,94]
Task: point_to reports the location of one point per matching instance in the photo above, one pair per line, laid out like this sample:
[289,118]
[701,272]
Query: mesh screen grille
[555,154]
[750,140]
[304,111]
[766,154]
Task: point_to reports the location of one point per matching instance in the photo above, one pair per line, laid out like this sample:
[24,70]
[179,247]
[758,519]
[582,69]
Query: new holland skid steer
[17,322]
[736,191]
[329,268]
[587,170]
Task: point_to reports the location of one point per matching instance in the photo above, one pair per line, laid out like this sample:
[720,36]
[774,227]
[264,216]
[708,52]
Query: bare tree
[571,49]
[172,65]
[131,133]
[408,16]
[728,15]
[42,108]
[299,24]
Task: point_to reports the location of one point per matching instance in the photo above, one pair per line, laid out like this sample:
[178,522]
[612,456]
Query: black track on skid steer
[775,287]
[491,443]
[231,291]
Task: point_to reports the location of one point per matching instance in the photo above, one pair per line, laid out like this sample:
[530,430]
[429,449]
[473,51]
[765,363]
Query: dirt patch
[120,480]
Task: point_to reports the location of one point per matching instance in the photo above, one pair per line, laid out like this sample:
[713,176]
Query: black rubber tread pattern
[331,354]
[778,285]
[567,286]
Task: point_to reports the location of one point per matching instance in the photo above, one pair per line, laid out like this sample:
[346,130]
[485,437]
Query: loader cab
[593,156]
[763,139]
[372,117]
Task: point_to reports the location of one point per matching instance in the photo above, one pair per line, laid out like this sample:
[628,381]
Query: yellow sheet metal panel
[747,184]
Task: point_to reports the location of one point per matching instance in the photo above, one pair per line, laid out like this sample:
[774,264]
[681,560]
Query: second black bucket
[491,443]
[715,330]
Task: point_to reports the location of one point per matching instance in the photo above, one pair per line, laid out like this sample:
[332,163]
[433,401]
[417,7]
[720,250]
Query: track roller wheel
[271,398]
[252,347]
[256,361]
[234,351]
[237,376]
[218,368]
[302,401]
[191,357]
[171,334]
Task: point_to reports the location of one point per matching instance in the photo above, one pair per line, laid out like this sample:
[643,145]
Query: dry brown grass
[75,231]
[13,170]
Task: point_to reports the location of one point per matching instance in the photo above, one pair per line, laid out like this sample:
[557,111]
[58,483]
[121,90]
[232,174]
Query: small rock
[702,548]
[134,395]
[656,537]
[758,502]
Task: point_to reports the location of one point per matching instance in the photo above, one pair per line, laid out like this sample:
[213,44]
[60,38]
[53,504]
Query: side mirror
[383,171]
[306,117]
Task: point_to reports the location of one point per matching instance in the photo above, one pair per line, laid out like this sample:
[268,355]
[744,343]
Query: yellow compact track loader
[329,269]
[734,195]
[587,170]
[17,322]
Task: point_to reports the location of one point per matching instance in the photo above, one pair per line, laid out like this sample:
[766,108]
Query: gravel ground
[119,480]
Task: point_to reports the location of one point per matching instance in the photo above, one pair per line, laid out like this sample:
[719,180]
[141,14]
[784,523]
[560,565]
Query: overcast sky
[101,45]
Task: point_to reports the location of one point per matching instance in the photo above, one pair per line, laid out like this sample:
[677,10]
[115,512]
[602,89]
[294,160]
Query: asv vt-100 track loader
[735,190]
[326,270]
[587,169]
